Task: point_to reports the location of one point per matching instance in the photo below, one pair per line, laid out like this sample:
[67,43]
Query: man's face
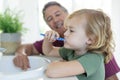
[55,17]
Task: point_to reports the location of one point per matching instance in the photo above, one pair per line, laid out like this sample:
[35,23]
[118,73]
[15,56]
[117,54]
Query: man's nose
[55,19]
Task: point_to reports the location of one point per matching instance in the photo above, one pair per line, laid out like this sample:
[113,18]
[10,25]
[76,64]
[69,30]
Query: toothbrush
[60,39]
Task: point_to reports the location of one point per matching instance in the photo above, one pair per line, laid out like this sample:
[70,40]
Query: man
[54,15]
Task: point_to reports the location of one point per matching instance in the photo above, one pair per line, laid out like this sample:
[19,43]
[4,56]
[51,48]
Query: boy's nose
[65,33]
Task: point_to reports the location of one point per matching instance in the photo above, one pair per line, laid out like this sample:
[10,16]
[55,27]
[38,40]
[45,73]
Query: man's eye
[57,14]
[49,19]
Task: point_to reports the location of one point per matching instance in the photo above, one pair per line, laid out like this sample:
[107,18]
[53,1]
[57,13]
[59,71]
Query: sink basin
[10,72]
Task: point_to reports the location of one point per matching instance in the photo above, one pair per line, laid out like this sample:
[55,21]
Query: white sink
[9,72]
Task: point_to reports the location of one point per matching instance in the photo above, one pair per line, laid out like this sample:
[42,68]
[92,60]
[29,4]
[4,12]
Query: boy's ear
[90,40]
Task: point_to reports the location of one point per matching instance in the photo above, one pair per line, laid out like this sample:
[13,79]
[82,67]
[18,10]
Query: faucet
[1,52]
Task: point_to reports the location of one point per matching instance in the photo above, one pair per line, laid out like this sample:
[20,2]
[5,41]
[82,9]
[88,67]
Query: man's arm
[113,77]
[112,69]
[21,55]
[27,49]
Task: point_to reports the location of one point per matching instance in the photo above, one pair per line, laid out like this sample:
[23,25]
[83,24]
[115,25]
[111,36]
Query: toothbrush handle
[60,39]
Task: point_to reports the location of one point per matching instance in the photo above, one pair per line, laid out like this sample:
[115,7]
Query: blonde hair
[99,28]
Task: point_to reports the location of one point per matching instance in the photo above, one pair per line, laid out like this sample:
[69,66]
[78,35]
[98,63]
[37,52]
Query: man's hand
[21,61]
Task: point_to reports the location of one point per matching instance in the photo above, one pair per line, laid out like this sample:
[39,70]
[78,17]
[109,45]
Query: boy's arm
[64,69]
[49,49]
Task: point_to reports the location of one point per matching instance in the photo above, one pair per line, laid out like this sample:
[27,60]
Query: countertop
[41,77]
[44,77]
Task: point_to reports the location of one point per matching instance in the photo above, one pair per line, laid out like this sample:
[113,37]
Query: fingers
[25,63]
[51,35]
[21,61]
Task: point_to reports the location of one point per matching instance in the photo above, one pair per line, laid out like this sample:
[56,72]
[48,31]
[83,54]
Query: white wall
[1,5]
[30,8]
[30,17]
[116,28]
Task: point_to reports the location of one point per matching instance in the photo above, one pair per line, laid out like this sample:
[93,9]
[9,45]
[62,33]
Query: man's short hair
[52,3]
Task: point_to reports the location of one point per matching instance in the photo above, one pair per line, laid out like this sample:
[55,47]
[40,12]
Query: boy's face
[75,35]
[55,17]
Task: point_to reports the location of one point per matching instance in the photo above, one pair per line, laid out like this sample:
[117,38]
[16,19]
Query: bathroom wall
[116,29]
[29,13]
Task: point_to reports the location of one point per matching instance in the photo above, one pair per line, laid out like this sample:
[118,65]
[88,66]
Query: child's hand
[51,35]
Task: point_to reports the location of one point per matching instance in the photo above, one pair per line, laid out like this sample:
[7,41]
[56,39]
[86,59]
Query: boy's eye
[71,31]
